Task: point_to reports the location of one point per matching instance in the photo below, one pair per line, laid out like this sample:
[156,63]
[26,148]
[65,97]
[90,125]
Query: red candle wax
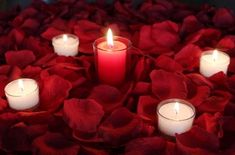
[111,62]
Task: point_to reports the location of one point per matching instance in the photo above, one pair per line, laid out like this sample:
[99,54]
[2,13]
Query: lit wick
[215,55]
[21,85]
[110,38]
[177,108]
[65,38]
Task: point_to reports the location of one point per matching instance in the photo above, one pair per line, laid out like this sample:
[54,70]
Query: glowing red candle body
[111,58]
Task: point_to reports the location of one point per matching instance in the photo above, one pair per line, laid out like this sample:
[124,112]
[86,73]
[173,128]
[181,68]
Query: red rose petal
[91,139]
[204,37]
[202,93]
[86,48]
[171,148]
[9,73]
[17,35]
[60,24]
[216,102]
[120,127]
[32,72]
[39,47]
[211,123]
[87,31]
[190,24]
[141,69]
[30,24]
[20,58]
[109,97]
[54,144]
[231,83]
[229,123]
[146,108]
[42,117]
[197,141]
[12,140]
[231,67]
[29,12]
[168,85]
[83,115]
[199,80]
[145,40]
[3,83]
[68,71]
[3,104]
[43,61]
[53,92]
[189,56]
[148,145]
[92,151]
[165,33]
[223,18]
[142,88]
[227,141]
[51,32]
[8,118]
[219,79]
[168,64]
[226,44]
[15,73]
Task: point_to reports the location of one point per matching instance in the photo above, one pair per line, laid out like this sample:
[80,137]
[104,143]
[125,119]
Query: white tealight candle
[66,44]
[175,116]
[22,94]
[212,62]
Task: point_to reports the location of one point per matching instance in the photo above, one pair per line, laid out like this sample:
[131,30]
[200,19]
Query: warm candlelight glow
[110,37]
[177,107]
[21,85]
[215,55]
[65,38]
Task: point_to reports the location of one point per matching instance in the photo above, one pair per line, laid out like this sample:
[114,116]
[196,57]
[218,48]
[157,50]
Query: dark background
[5,4]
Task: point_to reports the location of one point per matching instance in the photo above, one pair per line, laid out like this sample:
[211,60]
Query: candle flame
[177,107]
[65,38]
[215,55]
[21,85]
[110,38]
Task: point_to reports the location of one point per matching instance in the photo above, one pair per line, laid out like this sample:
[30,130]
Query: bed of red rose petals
[79,115]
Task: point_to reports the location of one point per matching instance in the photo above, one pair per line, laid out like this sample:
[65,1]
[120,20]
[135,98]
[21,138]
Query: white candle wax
[175,116]
[212,62]
[66,44]
[22,94]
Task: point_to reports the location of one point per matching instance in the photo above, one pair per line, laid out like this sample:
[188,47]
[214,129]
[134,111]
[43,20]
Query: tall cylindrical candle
[22,94]
[66,44]
[175,116]
[212,62]
[111,59]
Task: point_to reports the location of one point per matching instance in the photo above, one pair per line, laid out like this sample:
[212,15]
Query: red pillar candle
[111,58]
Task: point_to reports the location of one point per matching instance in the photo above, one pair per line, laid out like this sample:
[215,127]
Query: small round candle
[22,94]
[175,116]
[212,62]
[66,44]
[111,58]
